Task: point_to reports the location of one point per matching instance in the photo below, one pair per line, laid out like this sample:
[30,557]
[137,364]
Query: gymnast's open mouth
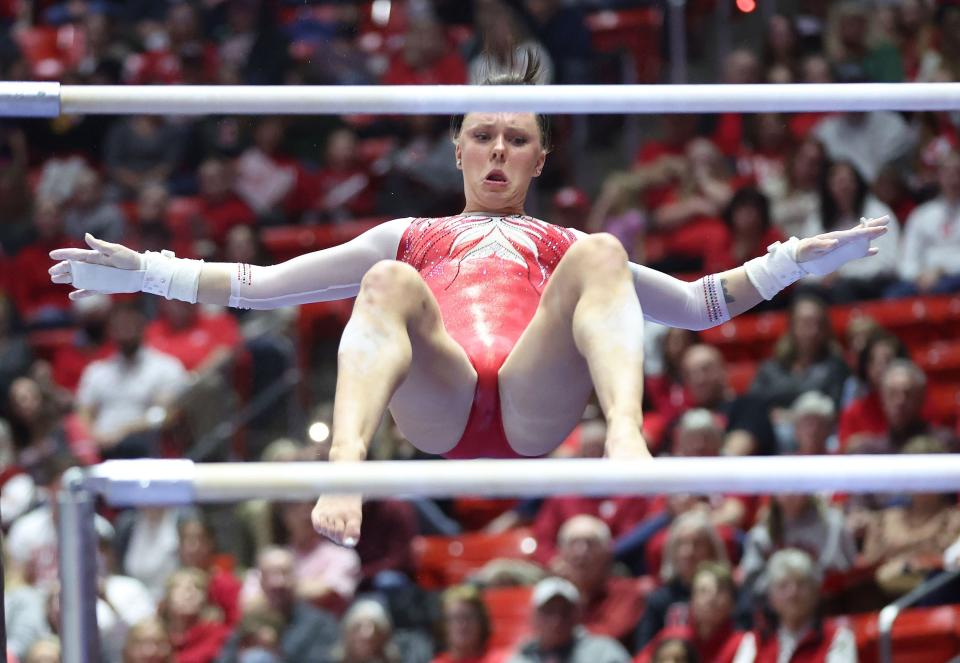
[496,176]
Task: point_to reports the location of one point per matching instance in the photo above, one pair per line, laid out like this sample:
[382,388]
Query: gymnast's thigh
[432,404]
[544,385]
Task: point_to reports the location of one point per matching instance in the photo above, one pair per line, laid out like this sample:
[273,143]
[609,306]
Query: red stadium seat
[740,375]
[441,561]
[943,399]
[636,31]
[509,610]
[475,512]
[39,47]
[919,635]
[182,214]
[940,361]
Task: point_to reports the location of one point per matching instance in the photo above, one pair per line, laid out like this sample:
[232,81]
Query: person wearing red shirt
[196,631]
[341,189]
[88,344]
[198,339]
[797,635]
[711,628]
[196,550]
[466,629]
[865,414]
[619,514]
[746,233]
[220,207]
[386,558]
[37,300]
[611,605]
[426,58]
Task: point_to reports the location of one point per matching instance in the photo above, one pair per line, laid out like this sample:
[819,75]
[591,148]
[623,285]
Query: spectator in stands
[36,304]
[251,44]
[781,46]
[151,229]
[867,140]
[367,636]
[941,59]
[665,389]
[88,211]
[326,574]
[740,67]
[795,521]
[42,428]
[341,189]
[87,344]
[747,231]
[196,549]
[309,633]
[620,514]
[692,540]
[505,33]
[122,602]
[466,628]
[845,198]
[908,542]
[125,398]
[893,190]
[259,634]
[140,149]
[386,557]
[220,207]
[201,340]
[806,358]
[790,211]
[146,545]
[610,605]
[426,58]
[23,606]
[763,158]
[32,540]
[813,416]
[848,44]
[711,629]
[562,30]
[903,389]
[266,178]
[796,633]
[557,631]
[864,415]
[148,642]
[748,428]
[930,260]
[195,626]
[423,171]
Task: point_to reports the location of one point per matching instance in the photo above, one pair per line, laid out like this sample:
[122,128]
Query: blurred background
[866,360]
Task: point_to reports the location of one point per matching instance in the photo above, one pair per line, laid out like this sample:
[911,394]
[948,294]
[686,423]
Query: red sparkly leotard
[487,274]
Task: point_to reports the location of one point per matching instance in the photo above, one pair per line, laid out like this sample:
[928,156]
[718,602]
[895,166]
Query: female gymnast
[484,332]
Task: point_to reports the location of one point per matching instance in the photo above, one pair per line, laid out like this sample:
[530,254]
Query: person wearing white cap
[558,635]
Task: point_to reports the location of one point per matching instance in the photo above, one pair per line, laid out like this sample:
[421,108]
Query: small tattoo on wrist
[727,297]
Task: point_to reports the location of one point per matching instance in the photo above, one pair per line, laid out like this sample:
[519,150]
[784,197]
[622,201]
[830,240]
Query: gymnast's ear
[459,152]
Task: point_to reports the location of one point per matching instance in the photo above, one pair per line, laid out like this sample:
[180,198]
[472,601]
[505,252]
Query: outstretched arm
[716,298]
[333,273]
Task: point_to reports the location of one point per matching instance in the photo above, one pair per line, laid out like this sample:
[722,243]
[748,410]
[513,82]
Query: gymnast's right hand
[99,253]
[338,517]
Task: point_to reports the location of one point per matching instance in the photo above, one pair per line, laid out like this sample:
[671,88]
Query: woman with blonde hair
[148,642]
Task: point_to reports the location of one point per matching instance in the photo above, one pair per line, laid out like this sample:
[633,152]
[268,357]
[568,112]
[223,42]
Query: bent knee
[598,252]
[392,279]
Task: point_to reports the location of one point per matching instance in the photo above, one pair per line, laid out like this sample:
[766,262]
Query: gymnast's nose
[499,149]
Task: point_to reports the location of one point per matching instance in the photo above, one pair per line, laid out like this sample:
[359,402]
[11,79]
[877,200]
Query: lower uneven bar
[131,482]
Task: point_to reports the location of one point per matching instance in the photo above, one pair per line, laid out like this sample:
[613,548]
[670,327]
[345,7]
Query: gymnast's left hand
[825,253]
[338,518]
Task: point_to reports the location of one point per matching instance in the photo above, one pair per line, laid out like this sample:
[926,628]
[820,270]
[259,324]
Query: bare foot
[338,517]
[624,440]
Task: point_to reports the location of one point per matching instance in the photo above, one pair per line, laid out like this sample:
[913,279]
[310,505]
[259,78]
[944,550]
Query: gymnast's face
[499,153]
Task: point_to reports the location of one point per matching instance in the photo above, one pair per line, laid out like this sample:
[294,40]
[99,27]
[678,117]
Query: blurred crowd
[690,578]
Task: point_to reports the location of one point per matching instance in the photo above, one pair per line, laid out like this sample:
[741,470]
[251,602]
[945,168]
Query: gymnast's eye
[481,135]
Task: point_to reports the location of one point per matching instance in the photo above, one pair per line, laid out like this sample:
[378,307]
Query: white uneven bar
[29,99]
[128,482]
[438,99]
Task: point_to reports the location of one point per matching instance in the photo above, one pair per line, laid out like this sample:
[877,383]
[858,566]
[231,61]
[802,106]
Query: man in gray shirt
[558,635]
